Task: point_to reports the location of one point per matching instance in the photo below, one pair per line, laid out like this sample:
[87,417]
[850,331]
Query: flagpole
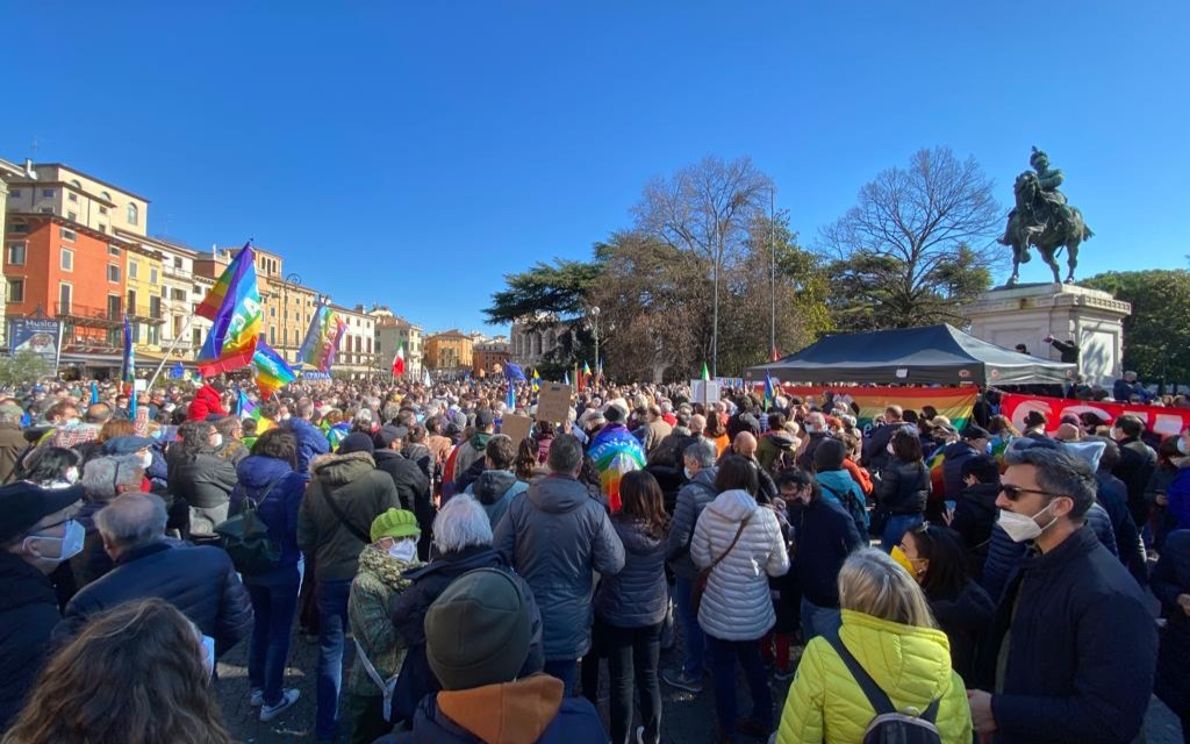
[172,347]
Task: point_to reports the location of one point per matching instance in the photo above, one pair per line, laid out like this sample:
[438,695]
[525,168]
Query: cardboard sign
[553,402]
[515,427]
[705,392]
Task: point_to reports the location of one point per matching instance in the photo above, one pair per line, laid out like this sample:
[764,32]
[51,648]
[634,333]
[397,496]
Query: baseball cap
[484,418]
[24,504]
[389,433]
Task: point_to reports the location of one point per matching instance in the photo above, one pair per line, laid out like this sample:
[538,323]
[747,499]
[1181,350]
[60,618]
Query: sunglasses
[1014,492]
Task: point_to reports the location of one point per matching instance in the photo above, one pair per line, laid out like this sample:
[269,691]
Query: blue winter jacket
[310,442]
[1081,653]
[277,490]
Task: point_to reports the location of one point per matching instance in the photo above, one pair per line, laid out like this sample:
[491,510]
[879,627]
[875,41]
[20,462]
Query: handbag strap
[343,520]
[264,494]
[734,540]
[876,695]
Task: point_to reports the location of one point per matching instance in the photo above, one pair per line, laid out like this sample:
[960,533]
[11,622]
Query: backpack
[890,726]
[245,537]
[853,506]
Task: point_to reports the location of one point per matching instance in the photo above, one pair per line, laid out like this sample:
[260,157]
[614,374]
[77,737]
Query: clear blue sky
[412,154]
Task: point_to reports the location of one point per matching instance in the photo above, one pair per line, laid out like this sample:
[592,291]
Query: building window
[16,254]
[132,270]
[47,193]
[106,196]
[132,302]
[272,312]
[113,273]
[15,193]
[46,210]
[153,275]
[113,310]
[67,234]
[21,227]
[154,335]
[64,293]
[72,216]
[102,209]
[67,261]
[177,262]
[16,290]
[272,334]
[72,196]
[113,250]
[103,228]
[178,295]
[133,214]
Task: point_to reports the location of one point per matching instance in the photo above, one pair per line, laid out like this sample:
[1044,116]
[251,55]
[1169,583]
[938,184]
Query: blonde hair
[872,583]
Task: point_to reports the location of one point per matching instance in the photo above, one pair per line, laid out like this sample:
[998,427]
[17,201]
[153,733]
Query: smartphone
[950,505]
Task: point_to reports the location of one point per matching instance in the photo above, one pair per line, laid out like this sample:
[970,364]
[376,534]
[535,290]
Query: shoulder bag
[700,584]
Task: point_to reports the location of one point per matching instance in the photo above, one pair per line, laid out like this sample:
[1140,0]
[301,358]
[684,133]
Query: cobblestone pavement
[686,718]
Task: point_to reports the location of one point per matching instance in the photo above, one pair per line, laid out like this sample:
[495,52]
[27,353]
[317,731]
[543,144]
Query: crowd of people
[913,578]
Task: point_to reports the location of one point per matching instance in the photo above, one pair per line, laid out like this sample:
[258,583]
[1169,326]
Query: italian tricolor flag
[399,360]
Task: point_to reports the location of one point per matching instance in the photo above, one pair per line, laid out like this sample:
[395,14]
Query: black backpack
[246,539]
[890,726]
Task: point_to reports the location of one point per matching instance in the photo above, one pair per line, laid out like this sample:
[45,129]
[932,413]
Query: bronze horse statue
[1047,224]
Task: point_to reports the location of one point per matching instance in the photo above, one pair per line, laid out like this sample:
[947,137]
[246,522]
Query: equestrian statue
[1043,219]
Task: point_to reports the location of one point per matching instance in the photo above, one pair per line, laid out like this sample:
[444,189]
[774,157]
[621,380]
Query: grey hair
[566,454]
[703,452]
[461,523]
[304,408]
[132,520]
[102,475]
[1058,472]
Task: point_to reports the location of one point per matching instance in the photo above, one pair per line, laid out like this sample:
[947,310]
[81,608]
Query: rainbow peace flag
[322,339]
[233,306]
[272,373]
[615,452]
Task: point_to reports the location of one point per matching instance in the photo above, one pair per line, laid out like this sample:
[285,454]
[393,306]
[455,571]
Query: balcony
[101,317]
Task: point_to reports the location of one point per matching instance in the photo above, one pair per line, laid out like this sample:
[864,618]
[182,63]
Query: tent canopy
[939,354]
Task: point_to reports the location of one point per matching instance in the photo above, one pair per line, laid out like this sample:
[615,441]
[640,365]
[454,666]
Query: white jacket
[736,605]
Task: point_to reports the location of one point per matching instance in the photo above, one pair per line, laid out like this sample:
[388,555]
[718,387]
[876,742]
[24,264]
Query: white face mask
[71,542]
[71,475]
[403,550]
[1182,446]
[689,475]
[1020,527]
[890,449]
[216,441]
[146,460]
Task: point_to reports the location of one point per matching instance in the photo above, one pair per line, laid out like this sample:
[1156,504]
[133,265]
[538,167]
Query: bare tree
[705,209]
[916,235]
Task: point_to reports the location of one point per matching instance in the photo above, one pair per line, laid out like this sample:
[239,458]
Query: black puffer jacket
[413,487]
[28,614]
[974,517]
[692,499]
[904,487]
[635,597]
[965,618]
[200,581]
[409,610]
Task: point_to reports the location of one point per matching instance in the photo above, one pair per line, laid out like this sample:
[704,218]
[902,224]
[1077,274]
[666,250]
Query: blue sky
[413,153]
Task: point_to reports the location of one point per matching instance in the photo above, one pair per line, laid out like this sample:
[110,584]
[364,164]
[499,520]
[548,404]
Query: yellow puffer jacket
[911,664]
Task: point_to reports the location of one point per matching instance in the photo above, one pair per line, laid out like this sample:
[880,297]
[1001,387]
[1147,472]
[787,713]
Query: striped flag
[322,339]
[233,306]
[128,369]
[272,373]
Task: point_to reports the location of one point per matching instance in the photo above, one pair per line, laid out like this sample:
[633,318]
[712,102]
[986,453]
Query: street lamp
[595,327]
[290,278]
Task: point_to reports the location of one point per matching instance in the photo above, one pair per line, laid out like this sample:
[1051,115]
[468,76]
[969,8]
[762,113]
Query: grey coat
[637,596]
[556,536]
[692,499]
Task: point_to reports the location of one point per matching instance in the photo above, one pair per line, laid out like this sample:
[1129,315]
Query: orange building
[63,269]
[450,350]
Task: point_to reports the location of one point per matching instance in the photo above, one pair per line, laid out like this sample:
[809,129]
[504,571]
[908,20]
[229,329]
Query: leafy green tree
[916,246]
[22,368]
[1157,334]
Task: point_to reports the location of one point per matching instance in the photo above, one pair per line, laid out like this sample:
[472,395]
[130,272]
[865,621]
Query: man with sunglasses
[1073,648]
[37,533]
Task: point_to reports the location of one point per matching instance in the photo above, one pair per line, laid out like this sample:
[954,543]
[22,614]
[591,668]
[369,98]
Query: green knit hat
[478,631]
[395,523]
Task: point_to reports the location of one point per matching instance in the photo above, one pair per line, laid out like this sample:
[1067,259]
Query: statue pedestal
[1026,314]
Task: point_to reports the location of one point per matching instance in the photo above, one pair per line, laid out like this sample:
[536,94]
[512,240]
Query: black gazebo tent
[939,354]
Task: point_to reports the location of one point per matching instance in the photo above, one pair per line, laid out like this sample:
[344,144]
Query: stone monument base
[1026,314]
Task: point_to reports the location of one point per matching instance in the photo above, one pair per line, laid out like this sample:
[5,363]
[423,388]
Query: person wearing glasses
[1072,650]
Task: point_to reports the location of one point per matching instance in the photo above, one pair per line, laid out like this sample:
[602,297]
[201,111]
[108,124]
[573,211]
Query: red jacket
[206,401]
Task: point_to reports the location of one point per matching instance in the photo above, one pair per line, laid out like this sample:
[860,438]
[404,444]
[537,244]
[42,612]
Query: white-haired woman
[889,631]
[462,543]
